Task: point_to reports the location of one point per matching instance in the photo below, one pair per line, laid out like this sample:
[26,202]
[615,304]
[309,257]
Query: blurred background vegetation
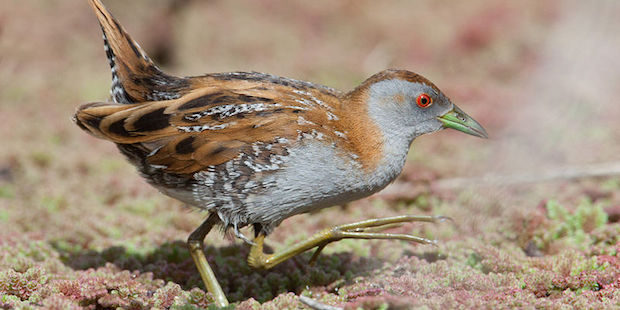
[79,228]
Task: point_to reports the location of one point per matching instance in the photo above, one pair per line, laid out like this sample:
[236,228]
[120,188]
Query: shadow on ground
[172,262]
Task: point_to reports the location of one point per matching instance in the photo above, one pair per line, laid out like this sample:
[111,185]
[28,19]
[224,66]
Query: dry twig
[317,305]
[566,173]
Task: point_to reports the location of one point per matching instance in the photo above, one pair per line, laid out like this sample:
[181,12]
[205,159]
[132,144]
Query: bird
[252,149]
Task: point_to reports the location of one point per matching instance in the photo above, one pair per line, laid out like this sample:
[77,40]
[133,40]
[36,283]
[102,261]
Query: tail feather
[90,116]
[135,78]
[125,123]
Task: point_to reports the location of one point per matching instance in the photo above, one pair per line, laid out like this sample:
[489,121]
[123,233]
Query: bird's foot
[368,229]
[372,229]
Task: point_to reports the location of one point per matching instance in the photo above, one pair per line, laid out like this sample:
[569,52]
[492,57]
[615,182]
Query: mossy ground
[79,228]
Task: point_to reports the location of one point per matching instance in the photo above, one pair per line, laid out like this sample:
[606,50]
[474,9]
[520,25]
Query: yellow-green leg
[195,245]
[360,230]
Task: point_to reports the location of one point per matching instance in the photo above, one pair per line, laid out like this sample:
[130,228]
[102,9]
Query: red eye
[424,100]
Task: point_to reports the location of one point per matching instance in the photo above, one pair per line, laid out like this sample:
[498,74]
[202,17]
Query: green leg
[195,245]
[360,230]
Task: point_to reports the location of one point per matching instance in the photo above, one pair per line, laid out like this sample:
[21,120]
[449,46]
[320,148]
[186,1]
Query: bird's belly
[315,176]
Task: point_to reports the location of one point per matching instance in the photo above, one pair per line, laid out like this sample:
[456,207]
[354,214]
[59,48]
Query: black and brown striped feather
[161,127]
[135,78]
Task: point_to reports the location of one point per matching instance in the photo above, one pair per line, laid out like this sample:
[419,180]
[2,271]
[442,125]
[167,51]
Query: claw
[241,236]
[441,219]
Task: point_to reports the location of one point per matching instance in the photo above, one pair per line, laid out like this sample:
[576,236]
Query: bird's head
[401,101]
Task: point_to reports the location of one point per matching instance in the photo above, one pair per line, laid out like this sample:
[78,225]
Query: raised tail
[135,78]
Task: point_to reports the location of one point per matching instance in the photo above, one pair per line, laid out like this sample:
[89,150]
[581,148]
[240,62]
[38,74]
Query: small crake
[254,149]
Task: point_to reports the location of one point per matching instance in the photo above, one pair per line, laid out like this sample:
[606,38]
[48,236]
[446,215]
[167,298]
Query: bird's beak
[457,119]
